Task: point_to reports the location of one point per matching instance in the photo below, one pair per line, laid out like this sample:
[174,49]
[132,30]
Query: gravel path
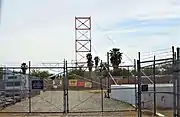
[52,101]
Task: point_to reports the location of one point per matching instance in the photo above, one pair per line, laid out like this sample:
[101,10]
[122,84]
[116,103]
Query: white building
[17,85]
[163,98]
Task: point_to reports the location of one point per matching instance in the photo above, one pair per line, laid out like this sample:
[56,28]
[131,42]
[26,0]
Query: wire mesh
[13,91]
[158,97]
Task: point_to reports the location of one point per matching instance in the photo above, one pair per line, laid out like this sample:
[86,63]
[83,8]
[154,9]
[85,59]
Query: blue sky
[43,30]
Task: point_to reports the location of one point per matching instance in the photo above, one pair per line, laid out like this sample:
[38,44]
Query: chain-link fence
[157,90]
[70,90]
[103,89]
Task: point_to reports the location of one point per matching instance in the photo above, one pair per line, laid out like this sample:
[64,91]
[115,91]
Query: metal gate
[20,92]
[90,93]
[60,93]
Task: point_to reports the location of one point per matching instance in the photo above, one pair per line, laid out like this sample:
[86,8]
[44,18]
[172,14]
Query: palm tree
[1,72]
[96,60]
[89,63]
[105,68]
[24,67]
[115,57]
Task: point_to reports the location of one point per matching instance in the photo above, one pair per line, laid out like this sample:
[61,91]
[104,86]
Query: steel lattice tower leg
[82,39]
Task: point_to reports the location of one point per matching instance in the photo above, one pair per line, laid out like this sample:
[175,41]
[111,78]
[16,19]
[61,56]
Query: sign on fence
[80,84]
[88,84]
[73,83]
[37,84]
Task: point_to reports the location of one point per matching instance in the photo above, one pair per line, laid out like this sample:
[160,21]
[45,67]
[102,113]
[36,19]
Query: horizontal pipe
[56,67]
[50,112]
[84,40]
[96,111]
[19,112]
[41,67]
[82,17]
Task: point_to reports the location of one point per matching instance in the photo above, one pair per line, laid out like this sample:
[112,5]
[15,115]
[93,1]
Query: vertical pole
[139,86]
[29,79]
[135,84]
[4,84]
[174,83]
[76,61]
[108,91]
[154,77]
[13,87]
[67,86]
[90,76]
[102,101]
[178,81]
[64,87]
[128,74]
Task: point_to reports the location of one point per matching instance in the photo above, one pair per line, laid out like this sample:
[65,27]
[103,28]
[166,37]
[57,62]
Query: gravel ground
[126,114]
[52,101]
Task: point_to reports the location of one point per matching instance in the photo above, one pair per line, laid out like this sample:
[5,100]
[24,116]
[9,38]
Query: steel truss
[82,39]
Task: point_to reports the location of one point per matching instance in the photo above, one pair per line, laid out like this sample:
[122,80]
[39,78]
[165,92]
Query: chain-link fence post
[102,98]
[135,79]
[174,83]
[64,86]
[178,81]
[108,91]
[154,78]
[139,86]
[67,87]
[29,79]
